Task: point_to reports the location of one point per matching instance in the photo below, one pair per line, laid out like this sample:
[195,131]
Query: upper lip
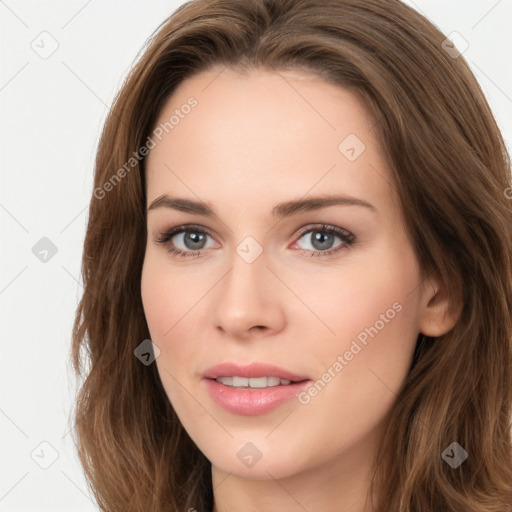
[251,370]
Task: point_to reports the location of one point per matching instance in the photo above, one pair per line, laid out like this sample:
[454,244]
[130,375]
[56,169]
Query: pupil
[319,240]
[194,238]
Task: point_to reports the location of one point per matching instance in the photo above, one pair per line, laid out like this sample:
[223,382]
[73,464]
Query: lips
[251,401]
[252,370]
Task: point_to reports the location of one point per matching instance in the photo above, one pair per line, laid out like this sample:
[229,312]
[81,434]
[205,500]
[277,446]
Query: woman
[298,270]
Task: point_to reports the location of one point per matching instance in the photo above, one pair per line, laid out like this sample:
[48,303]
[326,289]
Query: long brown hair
[451,169]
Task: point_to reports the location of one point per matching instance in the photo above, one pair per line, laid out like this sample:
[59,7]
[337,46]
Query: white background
[52,111]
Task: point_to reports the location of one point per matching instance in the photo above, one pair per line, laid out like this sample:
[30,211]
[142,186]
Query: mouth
[253,389]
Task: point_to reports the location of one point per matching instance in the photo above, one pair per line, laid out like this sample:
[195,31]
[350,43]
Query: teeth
[256,382]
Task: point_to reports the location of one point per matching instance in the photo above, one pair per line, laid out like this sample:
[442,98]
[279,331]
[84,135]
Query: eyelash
[347,238]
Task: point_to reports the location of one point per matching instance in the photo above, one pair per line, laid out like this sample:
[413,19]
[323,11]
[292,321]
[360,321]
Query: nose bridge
[248,263]
[246,280]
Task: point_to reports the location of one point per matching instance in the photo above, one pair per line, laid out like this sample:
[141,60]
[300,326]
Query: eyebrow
[281,210]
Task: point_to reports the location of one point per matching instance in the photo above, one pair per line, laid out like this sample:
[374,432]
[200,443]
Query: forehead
[261,134]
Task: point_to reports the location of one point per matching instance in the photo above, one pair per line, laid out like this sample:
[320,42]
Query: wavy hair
[451,169]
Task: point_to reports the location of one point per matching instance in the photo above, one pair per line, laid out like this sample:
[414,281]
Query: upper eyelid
[324,226]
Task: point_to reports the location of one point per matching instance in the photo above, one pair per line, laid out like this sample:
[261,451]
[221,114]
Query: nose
[249,300]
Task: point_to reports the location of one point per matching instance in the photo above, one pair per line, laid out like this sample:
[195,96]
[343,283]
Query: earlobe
[437,317]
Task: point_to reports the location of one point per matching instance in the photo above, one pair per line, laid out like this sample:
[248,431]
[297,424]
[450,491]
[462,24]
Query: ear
[436,316]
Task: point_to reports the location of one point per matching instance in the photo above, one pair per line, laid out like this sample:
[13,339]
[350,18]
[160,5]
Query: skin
[255,140]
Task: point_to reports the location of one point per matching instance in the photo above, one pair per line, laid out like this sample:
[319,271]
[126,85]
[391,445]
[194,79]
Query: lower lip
[252,401]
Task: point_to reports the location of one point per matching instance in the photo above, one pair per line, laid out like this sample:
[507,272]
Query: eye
[322,239]
[191,237]
[193,240]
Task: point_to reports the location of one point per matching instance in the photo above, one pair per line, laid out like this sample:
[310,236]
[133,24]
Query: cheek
[160,303]
[374,313]
[155,300]
[374,291]
[167,294]
[171,302]
[360,369]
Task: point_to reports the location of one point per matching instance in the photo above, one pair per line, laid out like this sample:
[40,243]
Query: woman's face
[267,278]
